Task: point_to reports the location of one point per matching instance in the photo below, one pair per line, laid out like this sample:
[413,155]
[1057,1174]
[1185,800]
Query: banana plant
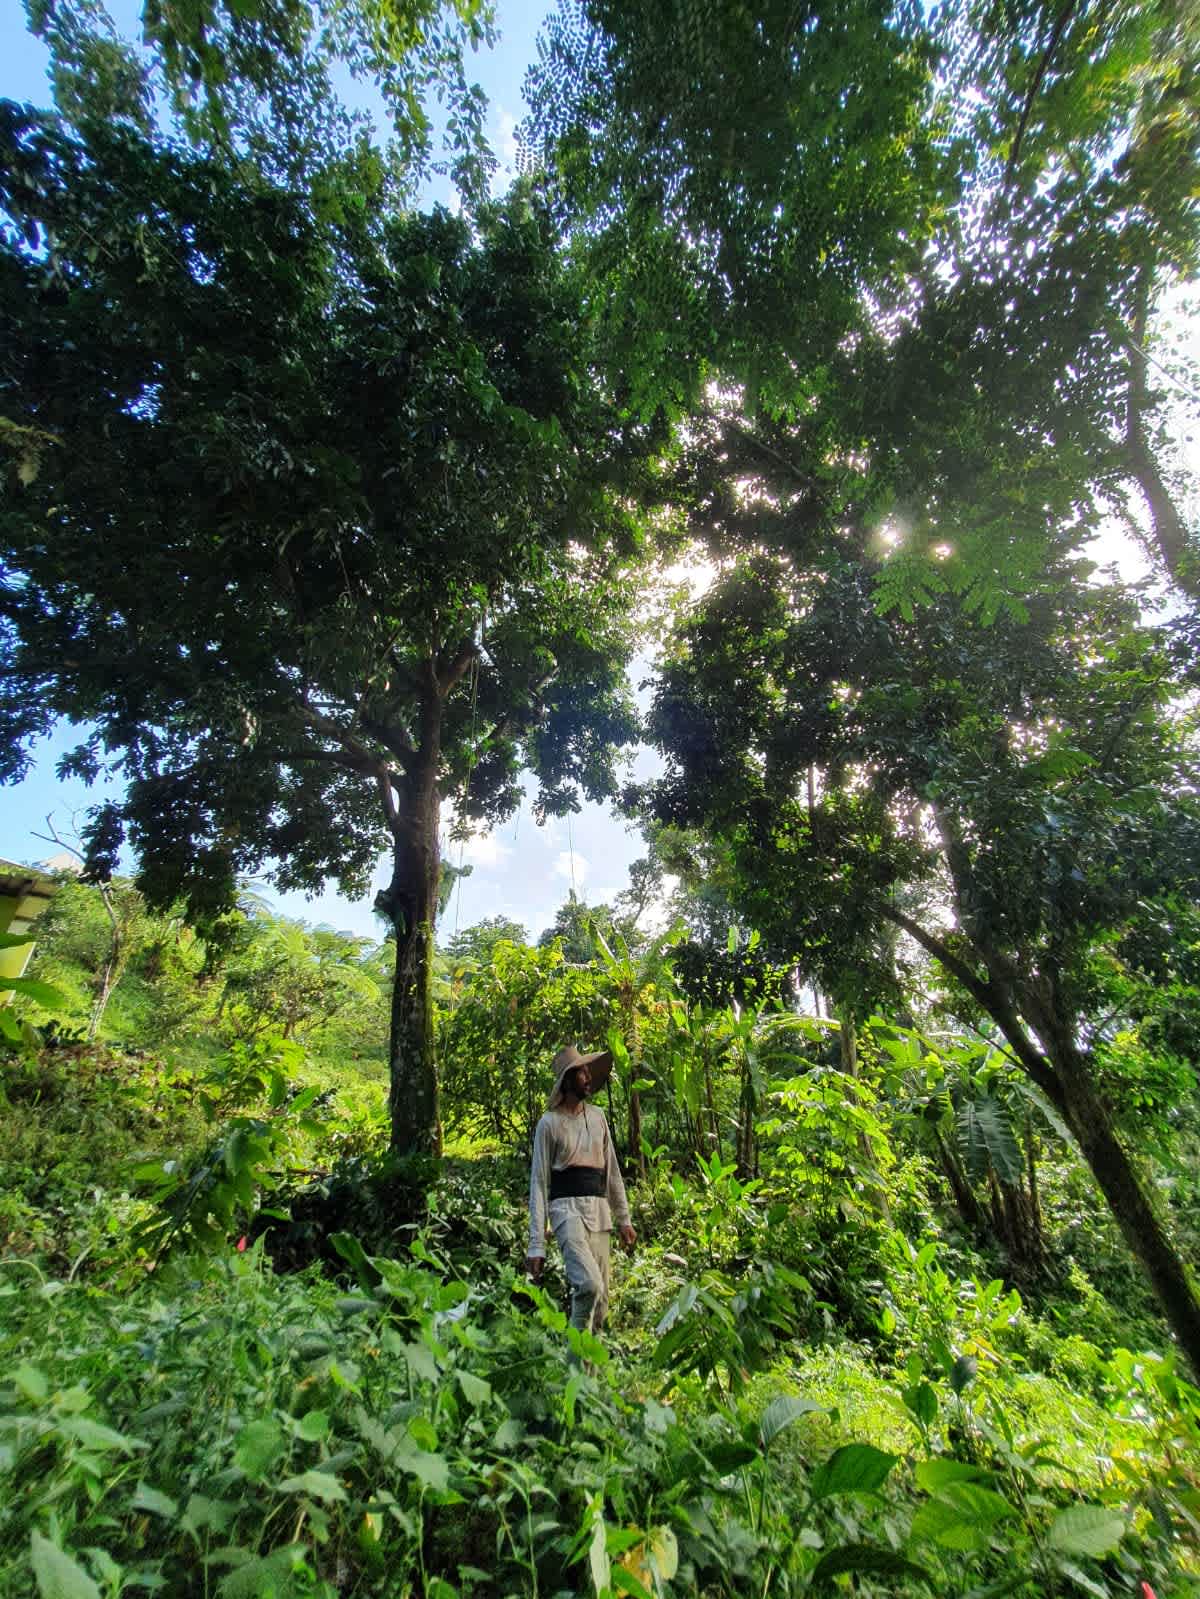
[636,981]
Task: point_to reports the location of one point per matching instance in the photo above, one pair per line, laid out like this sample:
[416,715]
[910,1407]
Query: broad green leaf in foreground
[258,1446]
[58,1576]
[1086,1530]
[781,1412]
[319,1484]
[852,1469]
[934,1474]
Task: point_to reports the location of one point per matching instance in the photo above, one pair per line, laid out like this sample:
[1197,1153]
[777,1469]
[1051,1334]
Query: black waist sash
[574,1182]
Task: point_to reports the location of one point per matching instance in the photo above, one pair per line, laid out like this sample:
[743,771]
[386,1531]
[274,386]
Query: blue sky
[521,871]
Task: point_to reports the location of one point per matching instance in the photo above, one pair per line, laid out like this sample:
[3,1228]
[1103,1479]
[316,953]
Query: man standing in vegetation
[576,1183]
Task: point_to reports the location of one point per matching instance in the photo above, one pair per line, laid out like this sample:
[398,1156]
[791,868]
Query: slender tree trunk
[1175,541]
[709,1100]
[635,1132]
[632,1032]
[745,1128]
[108,981]
[411,900]
[112,965]
[1035,1198]
[964,1195]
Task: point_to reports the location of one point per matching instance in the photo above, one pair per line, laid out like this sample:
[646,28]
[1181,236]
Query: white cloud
[506,136]
[563,868]
[484,850]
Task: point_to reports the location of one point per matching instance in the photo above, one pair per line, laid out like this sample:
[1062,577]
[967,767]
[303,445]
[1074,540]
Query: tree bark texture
[412,904]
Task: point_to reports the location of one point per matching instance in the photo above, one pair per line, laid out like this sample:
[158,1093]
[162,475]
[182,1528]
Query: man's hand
[535,1265]
[628,1236]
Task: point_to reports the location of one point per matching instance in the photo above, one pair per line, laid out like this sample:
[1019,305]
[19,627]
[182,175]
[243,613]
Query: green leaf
[1086,1530]
[313,1425]
[317,1484]
[58,1576]
[728,1455]
[31,1382]
[868,1559]
[921,1399]
[355,1256]
[998,1590]
[265,1575]
[570,1395]
[985,1136]
[44,994]
[941,1523]
[508,1434]
[95,1435]
[428,1467]
[257,1447]
[852,1469]
[980,1505]
[158,1504]
[475,1390]
[780,1413]
[934,1474]
[421,1362]
[598,1560]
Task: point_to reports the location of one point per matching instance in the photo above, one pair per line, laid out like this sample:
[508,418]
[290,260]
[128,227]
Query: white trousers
[586,1256]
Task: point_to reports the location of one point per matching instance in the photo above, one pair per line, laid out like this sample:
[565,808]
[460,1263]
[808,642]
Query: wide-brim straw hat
[569,1057]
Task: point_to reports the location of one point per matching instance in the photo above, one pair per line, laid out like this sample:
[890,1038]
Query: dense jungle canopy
[332,520]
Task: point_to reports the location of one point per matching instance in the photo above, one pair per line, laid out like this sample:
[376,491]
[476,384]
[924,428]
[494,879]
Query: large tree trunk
[411,901]
[1062,1073]
[1120,1183]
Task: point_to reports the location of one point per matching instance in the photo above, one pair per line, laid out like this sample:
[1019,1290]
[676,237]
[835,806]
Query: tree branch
[450,673]
[342,758]
[988,996]
[1043,65]
[383,780]
[340,735]
[394,736]
[1170,534]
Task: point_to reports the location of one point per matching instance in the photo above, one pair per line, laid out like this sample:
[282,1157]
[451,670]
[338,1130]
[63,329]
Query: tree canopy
[343,517]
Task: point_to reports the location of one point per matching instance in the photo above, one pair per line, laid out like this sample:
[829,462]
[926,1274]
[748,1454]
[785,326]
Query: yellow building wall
[26,898]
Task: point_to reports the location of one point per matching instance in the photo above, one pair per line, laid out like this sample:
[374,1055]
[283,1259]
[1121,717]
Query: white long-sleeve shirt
[565,1139]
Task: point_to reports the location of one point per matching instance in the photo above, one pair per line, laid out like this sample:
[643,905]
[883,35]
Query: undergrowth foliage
[199,1412]
[245,1350]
